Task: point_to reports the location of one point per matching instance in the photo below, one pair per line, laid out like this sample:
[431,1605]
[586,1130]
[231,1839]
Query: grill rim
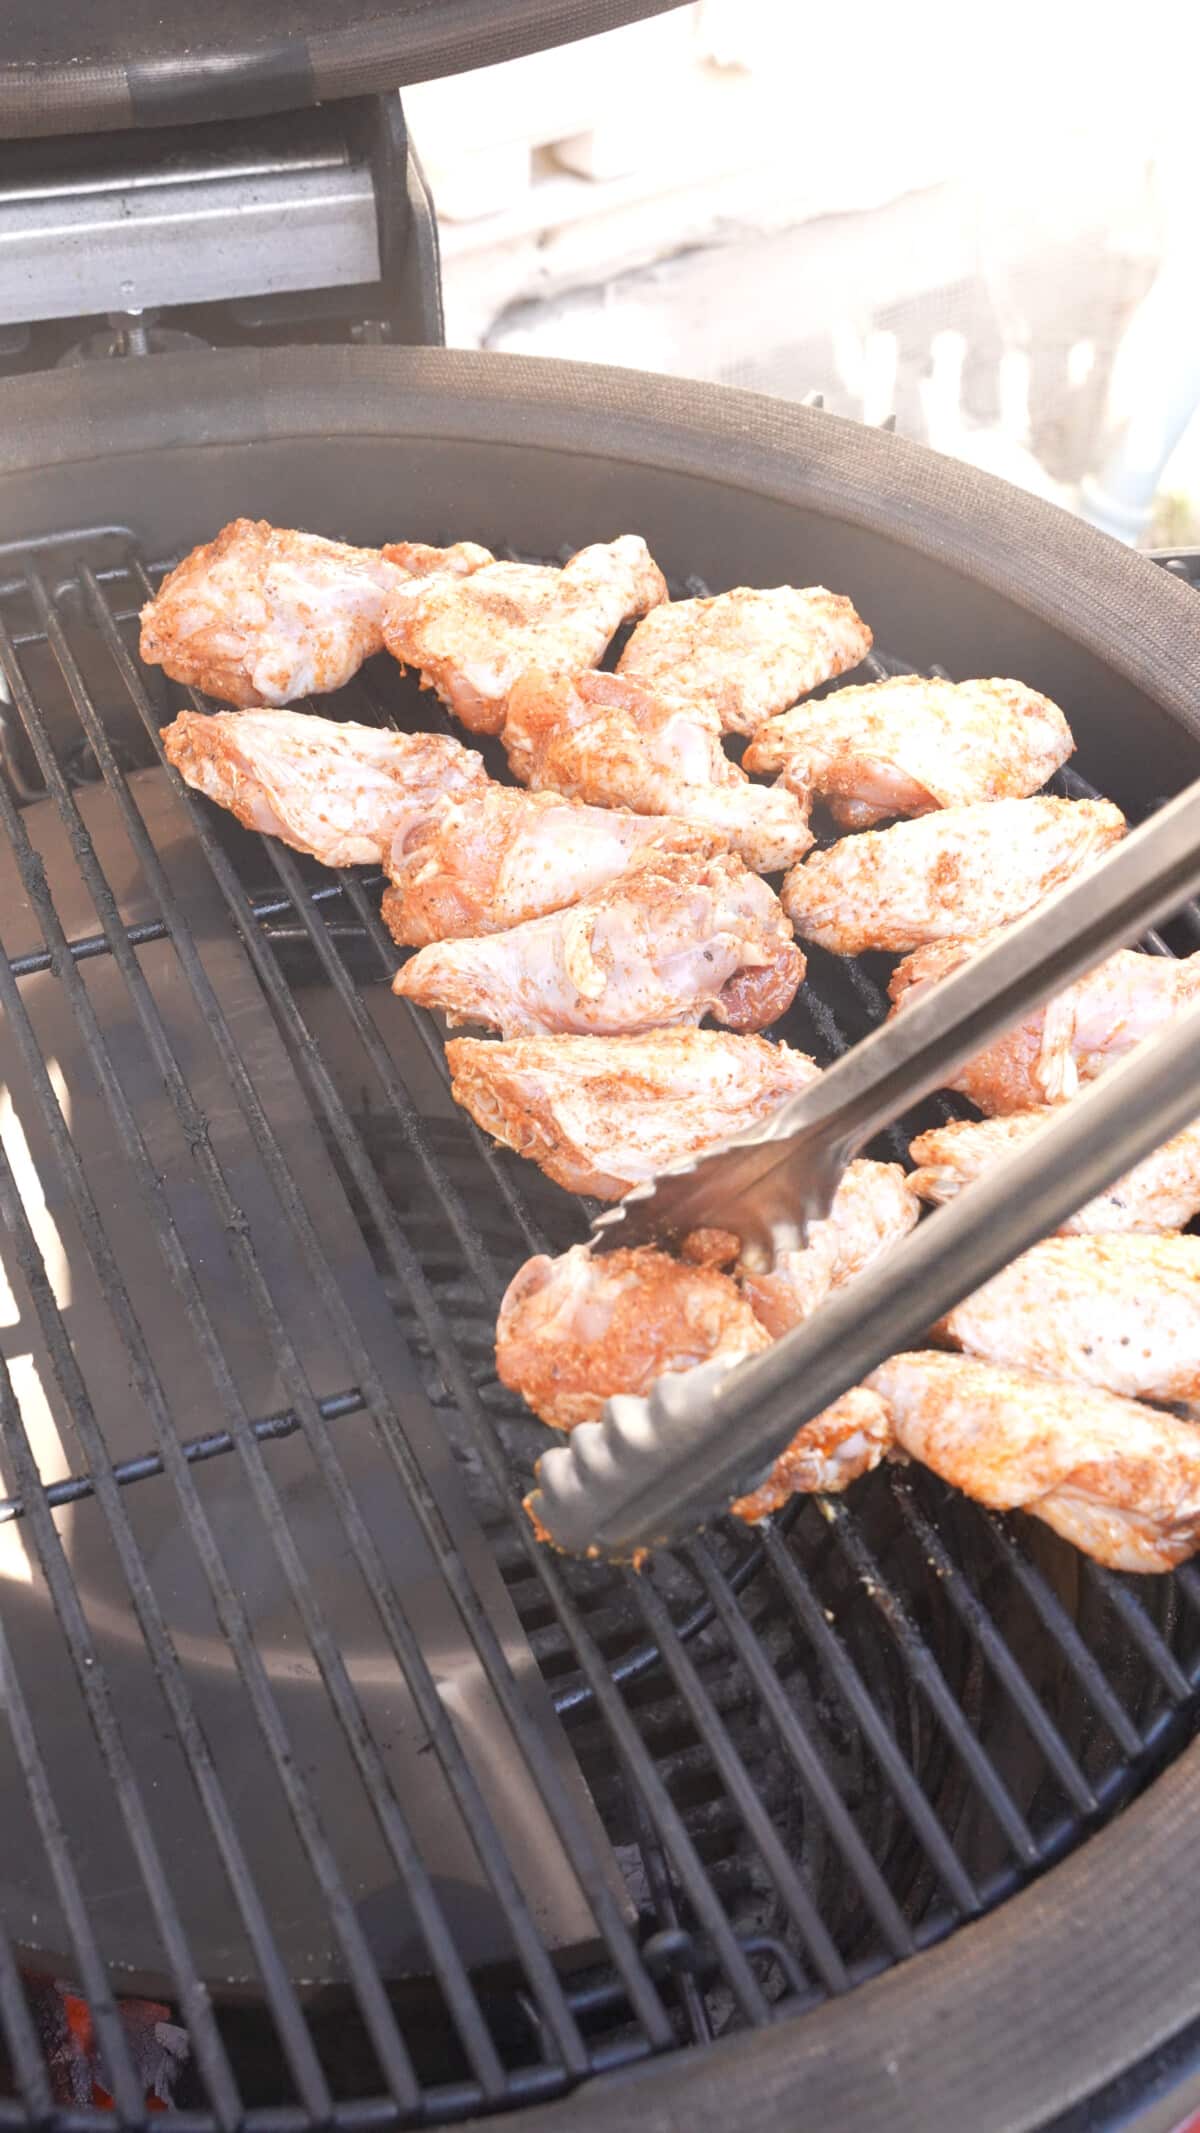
[1105,1944]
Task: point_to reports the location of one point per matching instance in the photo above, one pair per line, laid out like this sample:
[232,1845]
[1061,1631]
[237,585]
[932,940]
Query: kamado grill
[401,1817]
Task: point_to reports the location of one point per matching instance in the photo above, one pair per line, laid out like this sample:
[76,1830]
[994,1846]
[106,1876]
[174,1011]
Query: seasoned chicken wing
[601,1114]
[746,653]
[873,1207]
[1119,1312]
[263,615]
[909,745]
[1162,1193]
[341,792]
[671,941]
[574,1330]
[1082,1030]
[824,1457]
[495,857]
[1120,1480]
[601,738]
[471,638]
[964,870]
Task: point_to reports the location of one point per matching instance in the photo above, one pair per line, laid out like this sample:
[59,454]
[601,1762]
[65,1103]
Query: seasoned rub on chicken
[263,615]
[1082,1030]
[748,653]
[669,942]
[1119,1312]
[341,792]
[963,870]
[470,638]
[1162,1193]
[823,1458]
[602,738]
[494,858]
[574,1330]
[601,1114]
[909,745]
[1120,1480]
[873,1207]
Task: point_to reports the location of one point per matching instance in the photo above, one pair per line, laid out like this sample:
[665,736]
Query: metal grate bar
[230,1613]
[114,2045]
[810,1615]
[740,1787]
[1085,1667]
[447,1963]
[94,1688]
[377,2013]
[972,1612]
[37,960]
[925,1671]
[628,1741]
[1133,1616]
[801,1752]
[76,1488]
[298,2046]
[458,1772]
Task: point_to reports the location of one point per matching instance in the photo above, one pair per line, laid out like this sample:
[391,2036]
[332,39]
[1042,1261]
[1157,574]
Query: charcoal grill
[406,1819]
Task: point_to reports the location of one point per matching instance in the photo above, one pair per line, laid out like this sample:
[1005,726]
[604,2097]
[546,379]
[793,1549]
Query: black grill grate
[810,1750]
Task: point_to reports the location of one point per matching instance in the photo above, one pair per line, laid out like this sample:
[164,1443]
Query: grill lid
[119,63]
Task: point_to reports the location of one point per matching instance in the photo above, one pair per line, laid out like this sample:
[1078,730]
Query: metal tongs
[655,1468]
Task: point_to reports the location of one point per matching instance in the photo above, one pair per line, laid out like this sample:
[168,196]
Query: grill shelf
[809,1751]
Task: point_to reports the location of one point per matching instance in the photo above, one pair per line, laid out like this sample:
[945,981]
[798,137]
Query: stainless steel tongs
[653,1469]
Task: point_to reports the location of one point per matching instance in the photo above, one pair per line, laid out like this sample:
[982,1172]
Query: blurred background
[983,225]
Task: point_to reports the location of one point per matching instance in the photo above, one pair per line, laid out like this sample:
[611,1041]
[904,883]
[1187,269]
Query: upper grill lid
[121,63]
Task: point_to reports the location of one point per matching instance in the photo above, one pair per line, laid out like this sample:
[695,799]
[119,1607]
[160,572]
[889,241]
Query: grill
[406,1818]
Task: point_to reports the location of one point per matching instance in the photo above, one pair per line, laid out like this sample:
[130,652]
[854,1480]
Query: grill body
[405,1818]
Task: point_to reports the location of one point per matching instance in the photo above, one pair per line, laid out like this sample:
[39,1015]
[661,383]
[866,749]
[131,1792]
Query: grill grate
[777,1763]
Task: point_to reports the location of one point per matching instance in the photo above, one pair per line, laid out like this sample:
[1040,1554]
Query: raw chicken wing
[574,1330]
[263,615]
[1119,1312]
[471,638]
[671,941]
[746,653]
[601,1114]
[1162,1193]
[873,1207]
[495,857]
[1074,1037]
[909,745]
[1120,1480]
[846,1440]
[602,738]
[965,869]
[341,792]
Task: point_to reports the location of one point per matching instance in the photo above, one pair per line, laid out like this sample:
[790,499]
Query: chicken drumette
[669,942]
[604,739]
[263,615]
[1084,1029]
[602,1114]
[471,638]
[748,653]
[495,857]
[574,1330]
[341,792]
[910,745]
[1162,1193]
[873,1207]
[1119,1480]
[963,870]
